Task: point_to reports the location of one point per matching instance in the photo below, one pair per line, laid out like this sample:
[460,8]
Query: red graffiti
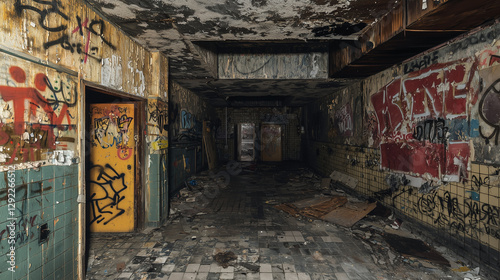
[386,104]
[437,92]
[87,42]
[413,157]
[494,58]
[29,108]
[17,74]
[124,153]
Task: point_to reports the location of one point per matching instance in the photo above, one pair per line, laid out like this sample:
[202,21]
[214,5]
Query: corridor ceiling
[288,52]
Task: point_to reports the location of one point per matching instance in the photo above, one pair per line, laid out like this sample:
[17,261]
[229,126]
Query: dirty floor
[229,229]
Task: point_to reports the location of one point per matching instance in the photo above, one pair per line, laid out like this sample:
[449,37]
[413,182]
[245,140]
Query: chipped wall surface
[71,35]
[72,38]
[38,114]
[47,48]
[273,66]
[424,140]
[157,122]
[187,113]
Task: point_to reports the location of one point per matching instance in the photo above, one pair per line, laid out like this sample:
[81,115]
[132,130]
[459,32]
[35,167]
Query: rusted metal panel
[458,15]
[392,23]
[416,9]
[344,53]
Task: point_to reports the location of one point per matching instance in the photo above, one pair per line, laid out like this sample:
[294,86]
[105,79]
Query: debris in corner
[410,247]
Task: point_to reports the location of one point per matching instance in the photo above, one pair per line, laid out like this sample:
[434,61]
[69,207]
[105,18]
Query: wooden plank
[209,144]
[351,213]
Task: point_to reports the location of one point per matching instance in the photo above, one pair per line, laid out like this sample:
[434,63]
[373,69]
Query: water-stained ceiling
[289,51]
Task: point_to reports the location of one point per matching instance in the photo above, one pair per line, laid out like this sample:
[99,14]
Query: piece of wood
[288,208]
[349,214]
[209,144]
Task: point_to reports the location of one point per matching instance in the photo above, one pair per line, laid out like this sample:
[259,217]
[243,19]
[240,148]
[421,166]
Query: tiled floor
[269,244]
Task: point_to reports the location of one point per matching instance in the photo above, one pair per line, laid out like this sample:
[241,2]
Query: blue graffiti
[186,120]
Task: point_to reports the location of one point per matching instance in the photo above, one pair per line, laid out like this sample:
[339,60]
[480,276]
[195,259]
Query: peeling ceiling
[199,36]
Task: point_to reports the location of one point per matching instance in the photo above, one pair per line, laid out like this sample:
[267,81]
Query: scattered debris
[410,247]
[349,214]
[472,274]
[224,258]
[249,266]
[396,224]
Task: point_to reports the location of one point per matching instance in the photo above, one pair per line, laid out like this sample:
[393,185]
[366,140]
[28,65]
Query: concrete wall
[422,138]
[46,51]
[289,118]
[187,113]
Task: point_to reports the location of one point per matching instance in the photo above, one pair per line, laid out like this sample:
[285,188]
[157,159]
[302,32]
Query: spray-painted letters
[413,112]
[84,27]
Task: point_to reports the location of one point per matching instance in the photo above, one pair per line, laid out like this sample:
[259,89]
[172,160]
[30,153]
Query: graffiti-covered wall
[47,50]
[38,114]
[187,112]
[422,137]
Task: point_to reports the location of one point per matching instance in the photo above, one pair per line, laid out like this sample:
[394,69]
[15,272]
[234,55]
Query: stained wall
[187,113]
[47,50]
[422,138]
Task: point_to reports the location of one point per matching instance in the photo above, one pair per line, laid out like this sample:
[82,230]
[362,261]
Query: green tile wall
[157,210]
[44,196]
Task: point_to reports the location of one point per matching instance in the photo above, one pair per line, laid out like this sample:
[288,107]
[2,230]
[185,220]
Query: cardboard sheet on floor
[350,213]
[288,208]
[313,207]
[310,201]
[411,247]
[320,209]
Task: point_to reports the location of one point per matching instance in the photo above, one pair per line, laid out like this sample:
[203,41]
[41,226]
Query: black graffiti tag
[489,110]
[105,205]
[54,8]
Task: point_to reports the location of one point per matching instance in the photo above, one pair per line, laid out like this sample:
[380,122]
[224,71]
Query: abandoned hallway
[233,231]
[256,139]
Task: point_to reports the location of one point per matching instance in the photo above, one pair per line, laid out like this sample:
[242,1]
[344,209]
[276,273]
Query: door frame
[140,170]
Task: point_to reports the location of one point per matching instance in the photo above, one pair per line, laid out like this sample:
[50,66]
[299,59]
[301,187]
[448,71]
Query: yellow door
[271,142]
[112,168]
